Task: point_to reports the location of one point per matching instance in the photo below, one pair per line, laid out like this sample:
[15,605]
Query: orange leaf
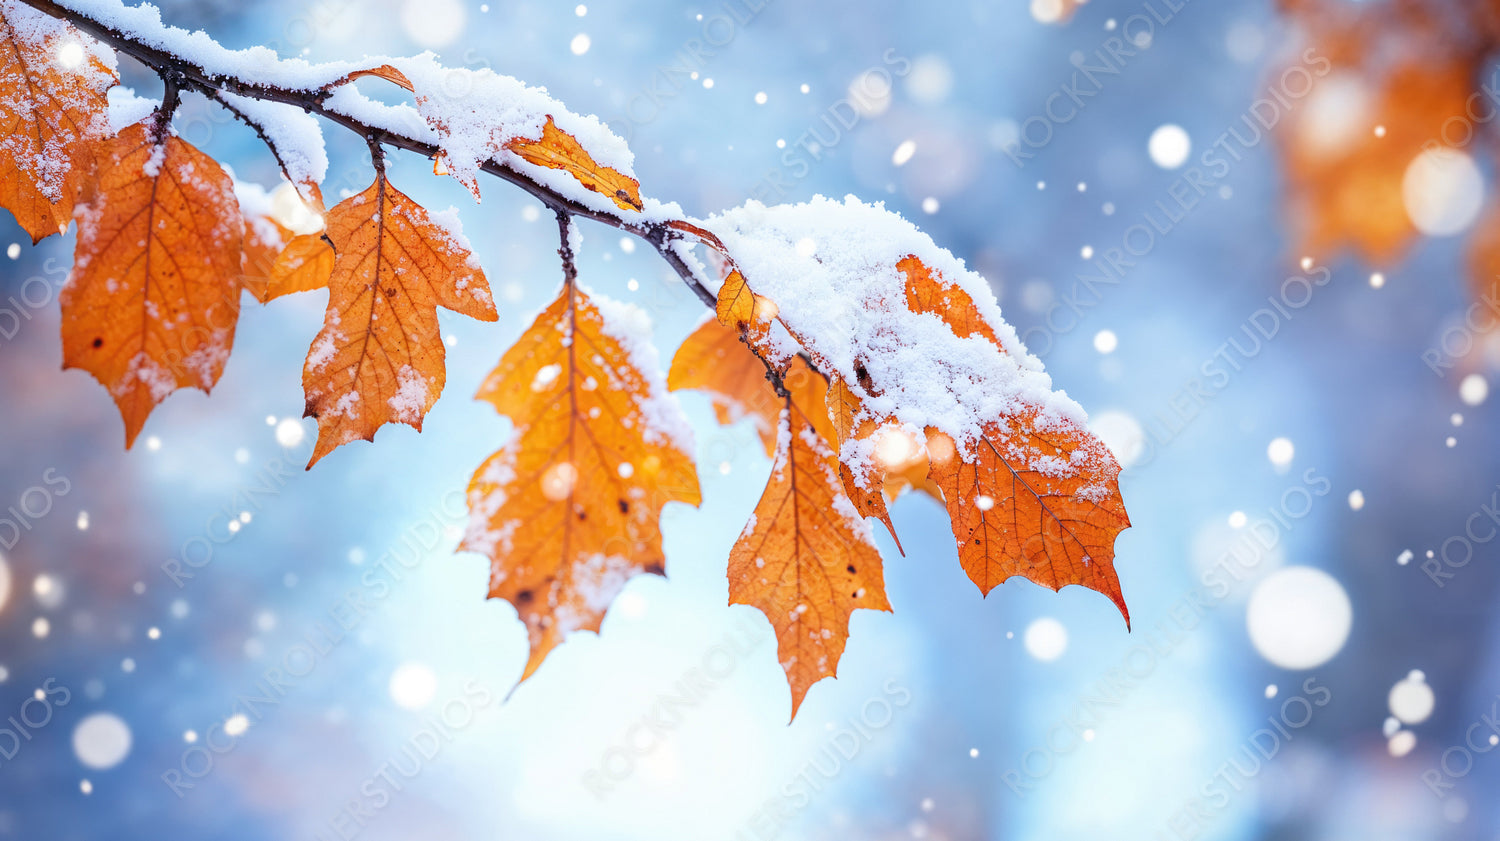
[743,310]
[1484,257]
[754,315]
[559,150]
[1038,500]
[383,71]
[807,559]
[569,510]
[715,360]
[927,292]
[864,485]
[379,357]
[1345,184]
[264,239]
[154,298]
[52,109]
[304,265]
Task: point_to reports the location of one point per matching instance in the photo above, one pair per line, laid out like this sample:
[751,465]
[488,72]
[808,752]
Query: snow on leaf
[264,238]
[915,348]
[556,149]
[831,271]
[927,292]
[154,299]
[1038,497]
[855,431]
[380,357]
[51,112]
[570,508]
[480,115]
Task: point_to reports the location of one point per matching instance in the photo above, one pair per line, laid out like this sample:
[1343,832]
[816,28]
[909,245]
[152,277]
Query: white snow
[469,114]
[145,371]
[126,109]
[846,301]
[842,506]
[345,408]
[477,112]
[207,360]
[628,324]
[292,132]
[448,224]
[257,208]
[595,582]
[70,61]
[323,350]
[410,401]
[479,536]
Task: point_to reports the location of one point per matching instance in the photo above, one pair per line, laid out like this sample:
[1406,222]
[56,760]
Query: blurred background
[1161,194]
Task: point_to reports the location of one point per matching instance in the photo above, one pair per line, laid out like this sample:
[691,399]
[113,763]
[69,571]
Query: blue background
[944,700]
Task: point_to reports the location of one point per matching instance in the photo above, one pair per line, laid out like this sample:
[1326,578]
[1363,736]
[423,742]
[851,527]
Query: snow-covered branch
[269,94]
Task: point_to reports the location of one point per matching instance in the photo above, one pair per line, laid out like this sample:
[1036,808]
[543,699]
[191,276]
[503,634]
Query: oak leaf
[1036,497]
[154,299]
[305,264]
[807,559]
[808,567]
[921,357]
[556,149]
[53,109]
[380,357]
[712,358]
[569,510]
[264,240]
[863,478]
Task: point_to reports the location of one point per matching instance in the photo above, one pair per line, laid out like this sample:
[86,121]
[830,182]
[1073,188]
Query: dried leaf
[559,150]
[379,357]
[714,359]
[864,478]
[52,110]
[926,291]
[383,71]
[264,240]
[1038,500]
[154,299]
[304,265]
[569,510]
[807,559]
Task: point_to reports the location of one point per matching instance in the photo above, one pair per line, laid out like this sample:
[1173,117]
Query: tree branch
[182,74]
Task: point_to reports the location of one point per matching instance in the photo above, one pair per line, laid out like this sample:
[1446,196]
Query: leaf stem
[565,248]
[171,98]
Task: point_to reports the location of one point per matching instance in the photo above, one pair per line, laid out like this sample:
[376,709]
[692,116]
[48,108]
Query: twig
[565,248]
[183,74]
